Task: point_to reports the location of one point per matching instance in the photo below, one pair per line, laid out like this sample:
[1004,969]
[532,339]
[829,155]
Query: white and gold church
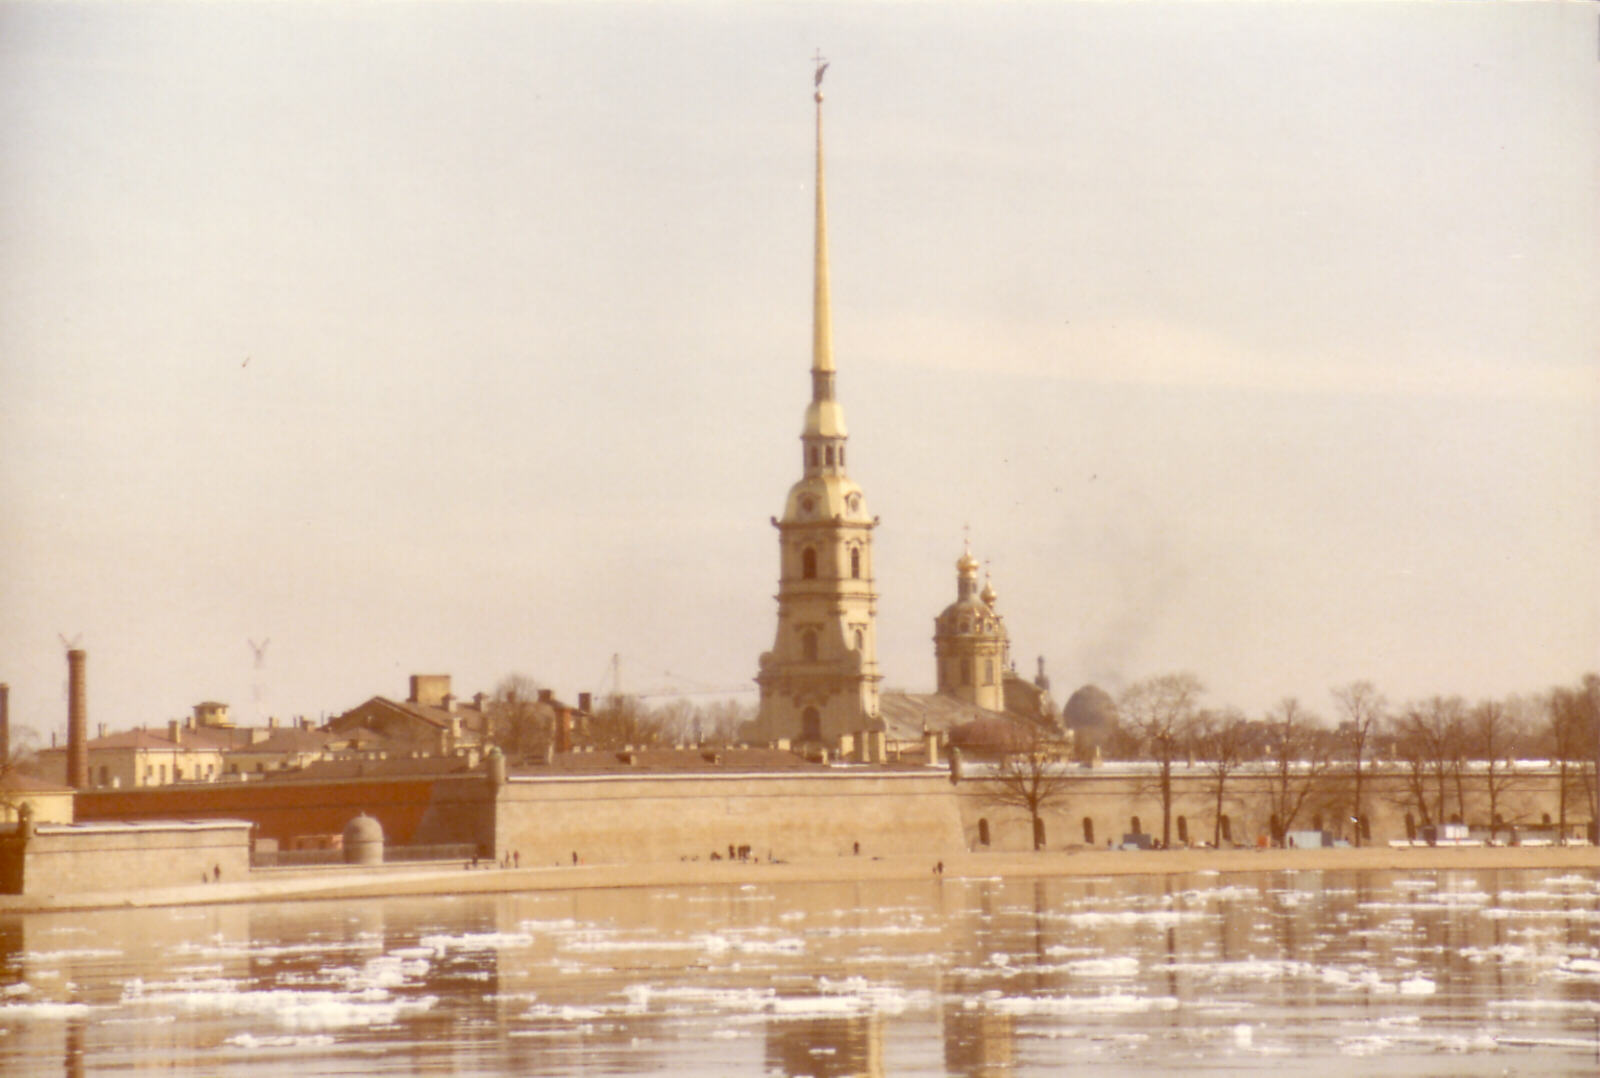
[820,682]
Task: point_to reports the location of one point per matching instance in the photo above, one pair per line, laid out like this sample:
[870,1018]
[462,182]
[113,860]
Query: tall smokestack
[77,722]
[5,722]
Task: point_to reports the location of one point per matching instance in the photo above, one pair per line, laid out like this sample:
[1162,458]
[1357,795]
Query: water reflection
[975,978]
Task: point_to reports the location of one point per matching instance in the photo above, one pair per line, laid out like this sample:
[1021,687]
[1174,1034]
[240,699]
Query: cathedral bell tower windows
[808,563]
[855,563]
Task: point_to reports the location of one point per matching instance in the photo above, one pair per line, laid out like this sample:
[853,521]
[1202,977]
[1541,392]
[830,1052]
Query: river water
[1317,973]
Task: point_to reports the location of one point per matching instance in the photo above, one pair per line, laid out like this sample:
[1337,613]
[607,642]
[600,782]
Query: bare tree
[1571,735]
[516,721]
[1432,735]
[623,720]
[1302,753]
[1362,708]
[18,761]
[1492,735]
[1034,774]
[1159,713]
[1222,740]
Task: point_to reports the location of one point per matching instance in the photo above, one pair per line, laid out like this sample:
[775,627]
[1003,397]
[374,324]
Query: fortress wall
[1110,800]
[412,811]
[668,818]
[75,858]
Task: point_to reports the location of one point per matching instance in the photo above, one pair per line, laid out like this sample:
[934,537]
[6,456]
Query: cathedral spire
[821,316]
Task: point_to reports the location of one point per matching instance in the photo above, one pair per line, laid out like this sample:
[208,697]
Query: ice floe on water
[477,941]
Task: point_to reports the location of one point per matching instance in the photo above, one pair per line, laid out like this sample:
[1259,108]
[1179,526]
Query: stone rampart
[79,858]
[671,817]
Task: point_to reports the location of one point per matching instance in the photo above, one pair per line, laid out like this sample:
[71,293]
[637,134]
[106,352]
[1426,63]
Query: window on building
[1088,831]
[814,456]
[163,771]
[808,646]
[1183,830]
[860,640]
[808,564]
[855,562]
[810,725]
[1136,829]
[105,775]
[830,456]
[983,832]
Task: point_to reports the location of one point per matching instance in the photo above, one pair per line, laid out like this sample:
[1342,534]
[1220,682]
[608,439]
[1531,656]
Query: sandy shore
[337,883]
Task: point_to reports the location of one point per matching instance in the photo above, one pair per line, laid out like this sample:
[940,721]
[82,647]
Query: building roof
[19,782]
[907,714]
[705,759]
[391,767]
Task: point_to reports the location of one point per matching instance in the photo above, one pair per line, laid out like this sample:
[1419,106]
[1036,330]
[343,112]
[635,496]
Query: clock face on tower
[855,503]
[808,505]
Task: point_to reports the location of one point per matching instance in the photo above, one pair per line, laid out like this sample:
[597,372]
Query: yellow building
[820,680]
[49,802]
[969,642]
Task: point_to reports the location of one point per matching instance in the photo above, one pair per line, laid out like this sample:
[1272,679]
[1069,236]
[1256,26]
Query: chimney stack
[5,722]
[77,722]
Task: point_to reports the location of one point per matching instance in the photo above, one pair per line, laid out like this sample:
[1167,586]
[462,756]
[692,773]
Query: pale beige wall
[1111,801]
[626,819]
[114,858]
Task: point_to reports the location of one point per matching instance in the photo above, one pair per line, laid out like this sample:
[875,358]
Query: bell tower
[820,680]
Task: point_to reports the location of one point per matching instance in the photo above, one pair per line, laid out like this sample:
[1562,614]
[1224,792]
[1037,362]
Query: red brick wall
[284,810]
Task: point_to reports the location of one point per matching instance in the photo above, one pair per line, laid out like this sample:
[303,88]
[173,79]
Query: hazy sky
[1257,340]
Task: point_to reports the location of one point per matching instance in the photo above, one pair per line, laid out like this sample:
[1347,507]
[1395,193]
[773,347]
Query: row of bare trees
[1307,761]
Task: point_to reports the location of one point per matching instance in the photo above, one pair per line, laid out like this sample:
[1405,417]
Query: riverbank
[276,885]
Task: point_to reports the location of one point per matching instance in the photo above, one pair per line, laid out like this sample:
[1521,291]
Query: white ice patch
[1068,1006]
[291,1009]
[34,957]
[250,1042]
[42,1009]
[1103,967]
[1418,986]
[477,941]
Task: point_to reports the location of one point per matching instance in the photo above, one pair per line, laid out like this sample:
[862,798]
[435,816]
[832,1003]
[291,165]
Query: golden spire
[821,317]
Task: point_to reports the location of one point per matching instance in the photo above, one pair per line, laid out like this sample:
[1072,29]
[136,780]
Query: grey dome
[1090,708]
[363,841]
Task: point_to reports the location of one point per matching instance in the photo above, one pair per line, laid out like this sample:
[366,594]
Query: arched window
[983,832]
[1088,831]
[810,725]
[855,562]
[1136,829]
[1183,830]
[815,457]
[808,564]
[860,640]
[808,646]
[829,451]
[841,456]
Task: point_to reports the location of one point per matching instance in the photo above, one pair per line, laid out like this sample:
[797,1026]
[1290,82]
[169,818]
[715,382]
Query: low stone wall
[1112,799]
[546,820]
[79,858]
